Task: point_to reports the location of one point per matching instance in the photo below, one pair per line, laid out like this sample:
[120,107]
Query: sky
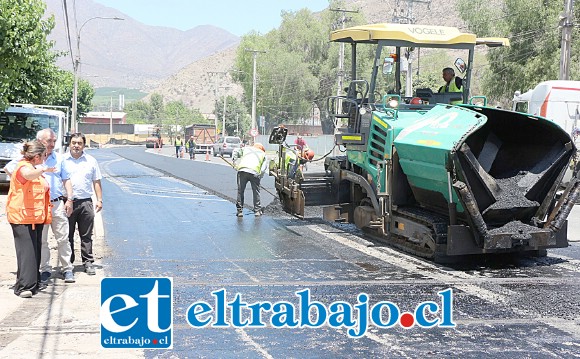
[236,16]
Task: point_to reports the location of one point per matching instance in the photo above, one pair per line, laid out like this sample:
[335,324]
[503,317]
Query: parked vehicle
[203,135]
[20,123]
[226,146]
[154,139]
[558,101]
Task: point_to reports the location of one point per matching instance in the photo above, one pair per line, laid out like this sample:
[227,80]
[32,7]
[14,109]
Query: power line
[67,26]
[341,22]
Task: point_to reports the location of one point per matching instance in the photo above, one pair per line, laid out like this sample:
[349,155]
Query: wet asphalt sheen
[158,224]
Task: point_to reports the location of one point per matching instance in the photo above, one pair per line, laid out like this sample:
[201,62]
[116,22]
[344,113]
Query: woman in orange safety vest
[27,210]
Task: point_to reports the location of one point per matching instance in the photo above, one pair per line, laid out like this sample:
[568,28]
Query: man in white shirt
[84,176]
[61,200]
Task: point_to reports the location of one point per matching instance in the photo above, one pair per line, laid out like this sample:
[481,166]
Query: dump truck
[440,181]
[203,135]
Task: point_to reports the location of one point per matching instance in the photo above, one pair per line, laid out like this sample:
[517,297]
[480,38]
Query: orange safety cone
[207,153]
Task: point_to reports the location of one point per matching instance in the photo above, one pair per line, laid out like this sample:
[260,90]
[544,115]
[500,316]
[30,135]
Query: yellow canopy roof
[411,33]
[493,41]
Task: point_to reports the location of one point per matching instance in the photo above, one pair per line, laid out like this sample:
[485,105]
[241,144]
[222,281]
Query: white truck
[556,100]
[20,123]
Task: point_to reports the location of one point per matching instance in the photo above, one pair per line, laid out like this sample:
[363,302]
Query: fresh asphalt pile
[512,195]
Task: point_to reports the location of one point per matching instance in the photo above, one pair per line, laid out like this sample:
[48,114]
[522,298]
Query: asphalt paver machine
[440,175]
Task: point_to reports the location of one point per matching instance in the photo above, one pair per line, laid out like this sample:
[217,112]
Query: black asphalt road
[215,176]
[158,225]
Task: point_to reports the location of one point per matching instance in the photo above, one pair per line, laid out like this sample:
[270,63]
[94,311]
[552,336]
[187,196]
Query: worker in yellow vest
[178,144]
[452,83]
[294,160]
[250,161]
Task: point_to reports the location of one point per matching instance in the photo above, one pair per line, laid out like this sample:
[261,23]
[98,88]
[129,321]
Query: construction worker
[251,164]
[295,159]
[300,143]
[291,163]
[452,83]
[191,145]
[178,144]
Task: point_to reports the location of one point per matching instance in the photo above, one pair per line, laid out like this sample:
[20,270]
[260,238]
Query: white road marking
[248,339]
[441,274]
[155,191]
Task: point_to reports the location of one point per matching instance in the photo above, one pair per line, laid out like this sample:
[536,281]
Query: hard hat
[259,146]
[416,101]
[309,154]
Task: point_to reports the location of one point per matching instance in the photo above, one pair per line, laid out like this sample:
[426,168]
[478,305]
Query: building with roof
[97,117]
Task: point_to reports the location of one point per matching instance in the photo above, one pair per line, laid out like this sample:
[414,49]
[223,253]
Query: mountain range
[128,53]
[178,64]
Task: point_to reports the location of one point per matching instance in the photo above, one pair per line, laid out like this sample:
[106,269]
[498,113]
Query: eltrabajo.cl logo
[137,313]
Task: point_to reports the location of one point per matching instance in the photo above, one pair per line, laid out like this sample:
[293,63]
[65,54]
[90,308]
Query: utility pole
[408,18]
[76,64]
[254,129]
[340,24]
[566,23]
[224,113]
[177,122]
[215,91]
[111,119]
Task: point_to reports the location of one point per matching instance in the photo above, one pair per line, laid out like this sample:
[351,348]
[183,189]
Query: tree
[157,108]
[62,91]
[534,54]
[139,112]
[177,114]
[299,68]
[26,60]
[238,121]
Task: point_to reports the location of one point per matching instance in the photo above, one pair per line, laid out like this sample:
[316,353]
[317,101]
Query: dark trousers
[83,214]
[177,150]
[27,242]
[191,153]
[243,179]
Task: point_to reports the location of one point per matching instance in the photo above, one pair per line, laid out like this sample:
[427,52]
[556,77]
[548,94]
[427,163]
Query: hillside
[129,53]
[177,63]
[196,86]
[434,12]
[193,85]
